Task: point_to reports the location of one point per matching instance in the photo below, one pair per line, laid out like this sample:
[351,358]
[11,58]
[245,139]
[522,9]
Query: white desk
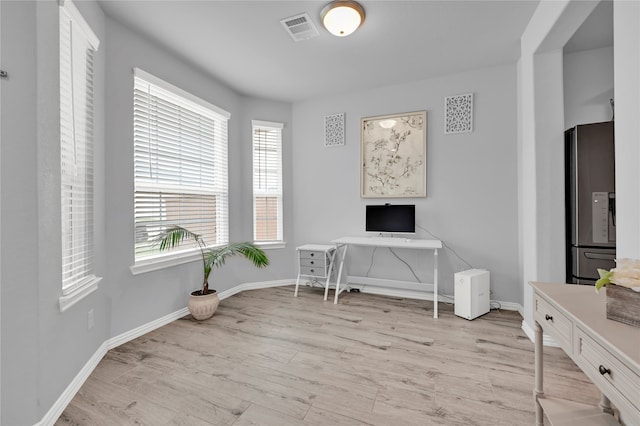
[404,243]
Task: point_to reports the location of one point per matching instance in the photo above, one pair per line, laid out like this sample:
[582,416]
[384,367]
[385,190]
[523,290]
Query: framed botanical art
[394,156]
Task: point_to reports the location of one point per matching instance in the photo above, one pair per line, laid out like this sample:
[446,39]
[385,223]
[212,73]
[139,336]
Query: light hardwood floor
[267,358]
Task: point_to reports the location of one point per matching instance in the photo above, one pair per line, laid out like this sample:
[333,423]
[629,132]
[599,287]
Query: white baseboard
[510,306]
[410,294]
[56,410]
[145,328]
[254,286]
[385,283]
[58,407]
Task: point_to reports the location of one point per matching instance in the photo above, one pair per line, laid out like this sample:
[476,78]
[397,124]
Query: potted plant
[204,302]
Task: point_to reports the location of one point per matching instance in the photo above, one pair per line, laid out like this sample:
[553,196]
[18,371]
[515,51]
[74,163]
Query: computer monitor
[399,218]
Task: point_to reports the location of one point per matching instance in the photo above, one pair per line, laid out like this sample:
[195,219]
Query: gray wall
[471,178]
[588,86]
[43,349]
[136,300]
[471,187]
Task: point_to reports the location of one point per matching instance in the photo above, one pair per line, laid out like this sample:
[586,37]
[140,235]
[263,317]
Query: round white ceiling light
[342,17]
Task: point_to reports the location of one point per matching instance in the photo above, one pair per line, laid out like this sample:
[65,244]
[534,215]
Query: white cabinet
[608,352]
[315,261]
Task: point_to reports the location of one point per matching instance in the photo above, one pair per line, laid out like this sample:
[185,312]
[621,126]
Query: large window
[267,182]
[180,165]
[77,46]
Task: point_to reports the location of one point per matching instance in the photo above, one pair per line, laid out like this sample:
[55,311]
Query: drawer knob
[311,254]
[603,370]
[548,317]
[312,270]
[311,262]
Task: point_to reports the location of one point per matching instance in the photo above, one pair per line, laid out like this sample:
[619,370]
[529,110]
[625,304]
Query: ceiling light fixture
[342,17]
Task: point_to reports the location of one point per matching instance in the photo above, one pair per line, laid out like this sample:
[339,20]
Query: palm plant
[211,257]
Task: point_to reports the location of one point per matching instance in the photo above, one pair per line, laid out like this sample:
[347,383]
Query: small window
[267,182]
[77,46]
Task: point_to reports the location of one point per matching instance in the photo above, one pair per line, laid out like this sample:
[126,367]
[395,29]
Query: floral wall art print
[394,156]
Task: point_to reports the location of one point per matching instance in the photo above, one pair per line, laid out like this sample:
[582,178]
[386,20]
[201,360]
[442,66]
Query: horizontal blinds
[267,181]
[77,44]
[180,166]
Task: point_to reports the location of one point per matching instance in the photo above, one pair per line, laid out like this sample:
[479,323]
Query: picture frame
[393,156]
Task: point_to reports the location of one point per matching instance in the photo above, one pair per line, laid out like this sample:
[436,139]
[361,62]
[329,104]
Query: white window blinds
[180,164]
[267,181]
[77,44]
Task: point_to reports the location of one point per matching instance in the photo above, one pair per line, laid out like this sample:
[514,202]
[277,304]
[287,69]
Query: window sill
[156,264]
[271,245]
[68,300]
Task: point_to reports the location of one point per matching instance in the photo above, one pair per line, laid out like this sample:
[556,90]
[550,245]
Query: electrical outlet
[90,319]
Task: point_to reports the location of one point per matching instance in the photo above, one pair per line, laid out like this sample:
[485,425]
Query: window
[267,182]
[77,45]
[180,166]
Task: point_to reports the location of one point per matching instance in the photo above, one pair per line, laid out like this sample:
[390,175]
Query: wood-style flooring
[267,358]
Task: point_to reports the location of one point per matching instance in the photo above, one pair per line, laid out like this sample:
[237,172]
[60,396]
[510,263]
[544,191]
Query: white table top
[316,247]
[411,243]
[588,308]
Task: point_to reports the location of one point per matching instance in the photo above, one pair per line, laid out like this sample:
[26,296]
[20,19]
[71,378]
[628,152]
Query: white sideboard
[607,351]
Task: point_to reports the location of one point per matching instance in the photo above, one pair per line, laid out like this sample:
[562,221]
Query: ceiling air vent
[300,27]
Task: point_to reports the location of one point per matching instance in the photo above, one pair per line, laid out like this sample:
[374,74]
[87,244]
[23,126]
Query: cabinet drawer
[617,380]
[313,271]
[311,254]
[554,323]
[318,263]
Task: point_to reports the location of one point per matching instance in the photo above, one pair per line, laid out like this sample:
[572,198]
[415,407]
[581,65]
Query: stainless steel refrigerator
[590,201]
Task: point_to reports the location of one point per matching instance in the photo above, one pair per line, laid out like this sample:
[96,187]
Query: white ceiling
[243,44]
[595,32]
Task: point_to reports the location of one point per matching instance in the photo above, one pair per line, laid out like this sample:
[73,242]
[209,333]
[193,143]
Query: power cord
[407,264]
[371,264]
[445,245]
[397,257]
[403,261]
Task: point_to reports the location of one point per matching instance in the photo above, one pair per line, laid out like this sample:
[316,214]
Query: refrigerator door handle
[599,256]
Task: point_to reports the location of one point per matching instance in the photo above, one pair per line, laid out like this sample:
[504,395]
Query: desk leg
[605,404]
[295,293]
[331,260]
[342,258]
[435,283]
[538,391]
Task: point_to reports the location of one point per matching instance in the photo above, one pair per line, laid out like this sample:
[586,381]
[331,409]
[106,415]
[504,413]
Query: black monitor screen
[391,218]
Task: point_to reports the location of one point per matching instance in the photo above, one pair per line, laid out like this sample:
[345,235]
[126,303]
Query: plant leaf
[216,257]
[604,278]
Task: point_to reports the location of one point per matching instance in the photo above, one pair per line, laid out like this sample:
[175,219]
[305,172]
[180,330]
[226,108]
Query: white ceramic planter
[203,307]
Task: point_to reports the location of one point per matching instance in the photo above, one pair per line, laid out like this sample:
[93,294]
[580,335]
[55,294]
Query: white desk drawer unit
[607,351]
[315,261]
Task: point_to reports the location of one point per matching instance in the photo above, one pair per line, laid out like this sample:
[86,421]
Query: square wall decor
[458,113]
[334,129]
